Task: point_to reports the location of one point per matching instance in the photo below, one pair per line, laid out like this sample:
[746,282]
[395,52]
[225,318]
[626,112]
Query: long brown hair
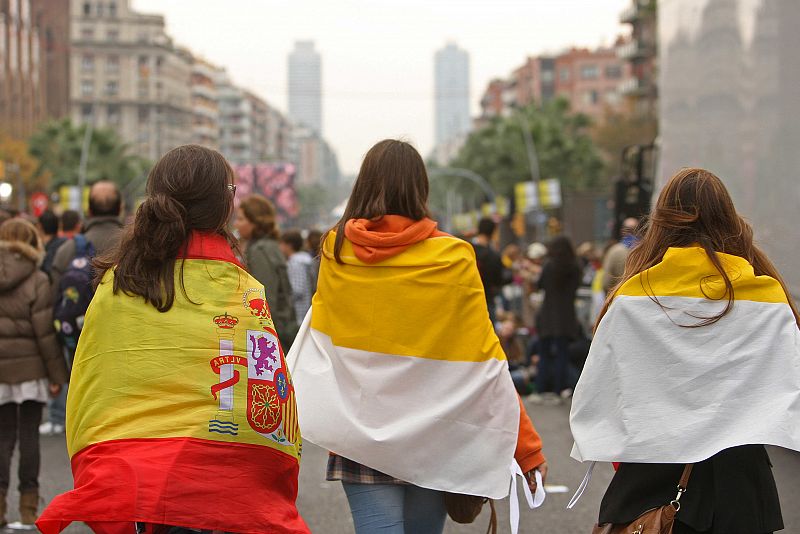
[392,181]
[261,213]
[186,190]
[694,208]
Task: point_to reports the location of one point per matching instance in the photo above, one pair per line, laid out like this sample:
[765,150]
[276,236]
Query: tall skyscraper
[452,93]
[305,86]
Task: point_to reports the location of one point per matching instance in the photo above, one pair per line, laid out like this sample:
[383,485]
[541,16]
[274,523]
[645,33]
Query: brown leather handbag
[655,521]
[466,508]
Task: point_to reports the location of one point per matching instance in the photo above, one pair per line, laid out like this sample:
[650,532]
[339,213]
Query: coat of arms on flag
[271,409]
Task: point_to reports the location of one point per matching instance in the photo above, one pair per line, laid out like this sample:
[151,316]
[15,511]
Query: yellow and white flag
[655,391]
[397,367]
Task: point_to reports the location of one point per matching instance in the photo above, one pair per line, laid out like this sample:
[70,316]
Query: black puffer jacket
[28,346]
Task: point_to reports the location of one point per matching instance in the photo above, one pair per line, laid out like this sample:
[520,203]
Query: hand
[531,476]
[55,389]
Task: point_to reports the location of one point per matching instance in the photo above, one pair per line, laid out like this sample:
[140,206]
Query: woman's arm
[42,321]
[529,453]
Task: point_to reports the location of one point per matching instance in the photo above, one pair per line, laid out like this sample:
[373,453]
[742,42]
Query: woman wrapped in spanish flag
[403,376]
[181,413]
[695,360]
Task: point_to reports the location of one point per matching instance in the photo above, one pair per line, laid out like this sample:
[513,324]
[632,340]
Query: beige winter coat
[29,349]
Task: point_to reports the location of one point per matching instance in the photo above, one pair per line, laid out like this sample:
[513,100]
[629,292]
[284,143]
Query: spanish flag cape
[655,391]
[397,366]
[183,418]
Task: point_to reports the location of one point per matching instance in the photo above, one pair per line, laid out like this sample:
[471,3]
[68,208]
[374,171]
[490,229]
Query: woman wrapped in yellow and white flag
[695,359]
[397,367]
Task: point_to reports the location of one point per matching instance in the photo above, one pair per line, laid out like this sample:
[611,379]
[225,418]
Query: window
[100,9]
[87,9]
[590,97]
[87,63]
[142,61]
[112,9]
[87,88]
[547,76]
[87,33]
[86,112]
[143,114]
[589,72]
[112,64]
[113,114]
[112,88]
[159,62]
[614,72]
[564,74]
[112,35]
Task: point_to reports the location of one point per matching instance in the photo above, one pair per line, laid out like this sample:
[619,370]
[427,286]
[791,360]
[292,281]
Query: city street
[324,507]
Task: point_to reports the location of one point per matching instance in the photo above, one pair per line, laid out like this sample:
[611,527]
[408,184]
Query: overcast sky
[377,55]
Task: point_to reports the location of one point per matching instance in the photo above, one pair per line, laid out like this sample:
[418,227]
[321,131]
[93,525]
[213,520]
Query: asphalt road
[324,506]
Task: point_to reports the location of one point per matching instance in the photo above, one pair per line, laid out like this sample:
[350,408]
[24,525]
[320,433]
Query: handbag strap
[682,485]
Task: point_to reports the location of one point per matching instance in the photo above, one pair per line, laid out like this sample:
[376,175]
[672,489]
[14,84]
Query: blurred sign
[39,203]
[70,198]
[526,196]
[550,193]
[275,181]
[503,206]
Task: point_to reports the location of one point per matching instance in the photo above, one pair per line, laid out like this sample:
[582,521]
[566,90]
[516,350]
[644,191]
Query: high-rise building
[126,74]
[235,121]
[305,86]
[451,93]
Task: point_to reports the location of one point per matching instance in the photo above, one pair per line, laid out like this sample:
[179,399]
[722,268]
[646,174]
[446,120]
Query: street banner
[70,198]
[193,418]
[526,196]
[550,193]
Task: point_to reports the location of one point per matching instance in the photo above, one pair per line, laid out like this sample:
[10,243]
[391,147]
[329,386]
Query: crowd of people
[417,344]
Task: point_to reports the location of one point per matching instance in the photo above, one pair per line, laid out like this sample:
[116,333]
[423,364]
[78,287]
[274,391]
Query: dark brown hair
[694,208]
[261,213]
[187,190]
[392,181]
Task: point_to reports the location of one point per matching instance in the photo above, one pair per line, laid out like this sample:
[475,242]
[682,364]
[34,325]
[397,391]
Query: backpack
[74,294]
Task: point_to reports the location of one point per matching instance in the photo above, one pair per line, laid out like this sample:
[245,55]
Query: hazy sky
[377,56]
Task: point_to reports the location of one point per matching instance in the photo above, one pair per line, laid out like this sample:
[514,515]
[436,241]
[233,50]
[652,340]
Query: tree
[57,146]
[619,130]
[15,152]
[563,147]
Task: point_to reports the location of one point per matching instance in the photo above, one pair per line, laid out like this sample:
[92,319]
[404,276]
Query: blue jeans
[395,509]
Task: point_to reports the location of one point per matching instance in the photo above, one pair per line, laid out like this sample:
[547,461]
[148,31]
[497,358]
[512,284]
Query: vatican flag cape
[183,418]
[397,367]
[653,391]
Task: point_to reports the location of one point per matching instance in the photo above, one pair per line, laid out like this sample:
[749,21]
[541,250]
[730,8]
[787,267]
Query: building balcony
[205,91]
[203,130]
[636,51]
[629,15]
[633,87]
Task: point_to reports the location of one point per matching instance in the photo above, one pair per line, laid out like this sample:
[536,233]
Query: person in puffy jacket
[31,363]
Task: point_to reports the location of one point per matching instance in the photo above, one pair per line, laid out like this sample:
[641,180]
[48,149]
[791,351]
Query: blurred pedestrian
[614,259]
[299,269]
[49,225]
[32,366]
[415,399]
[490,265]
[313,241]
[558,323]
[694,361]
[157,441]
[101,229]
[257,225]
[70,224]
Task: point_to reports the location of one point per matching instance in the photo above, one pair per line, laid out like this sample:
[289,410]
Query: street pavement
[324,506]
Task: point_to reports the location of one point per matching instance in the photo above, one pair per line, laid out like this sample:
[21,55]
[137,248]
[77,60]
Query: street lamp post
[533,164]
